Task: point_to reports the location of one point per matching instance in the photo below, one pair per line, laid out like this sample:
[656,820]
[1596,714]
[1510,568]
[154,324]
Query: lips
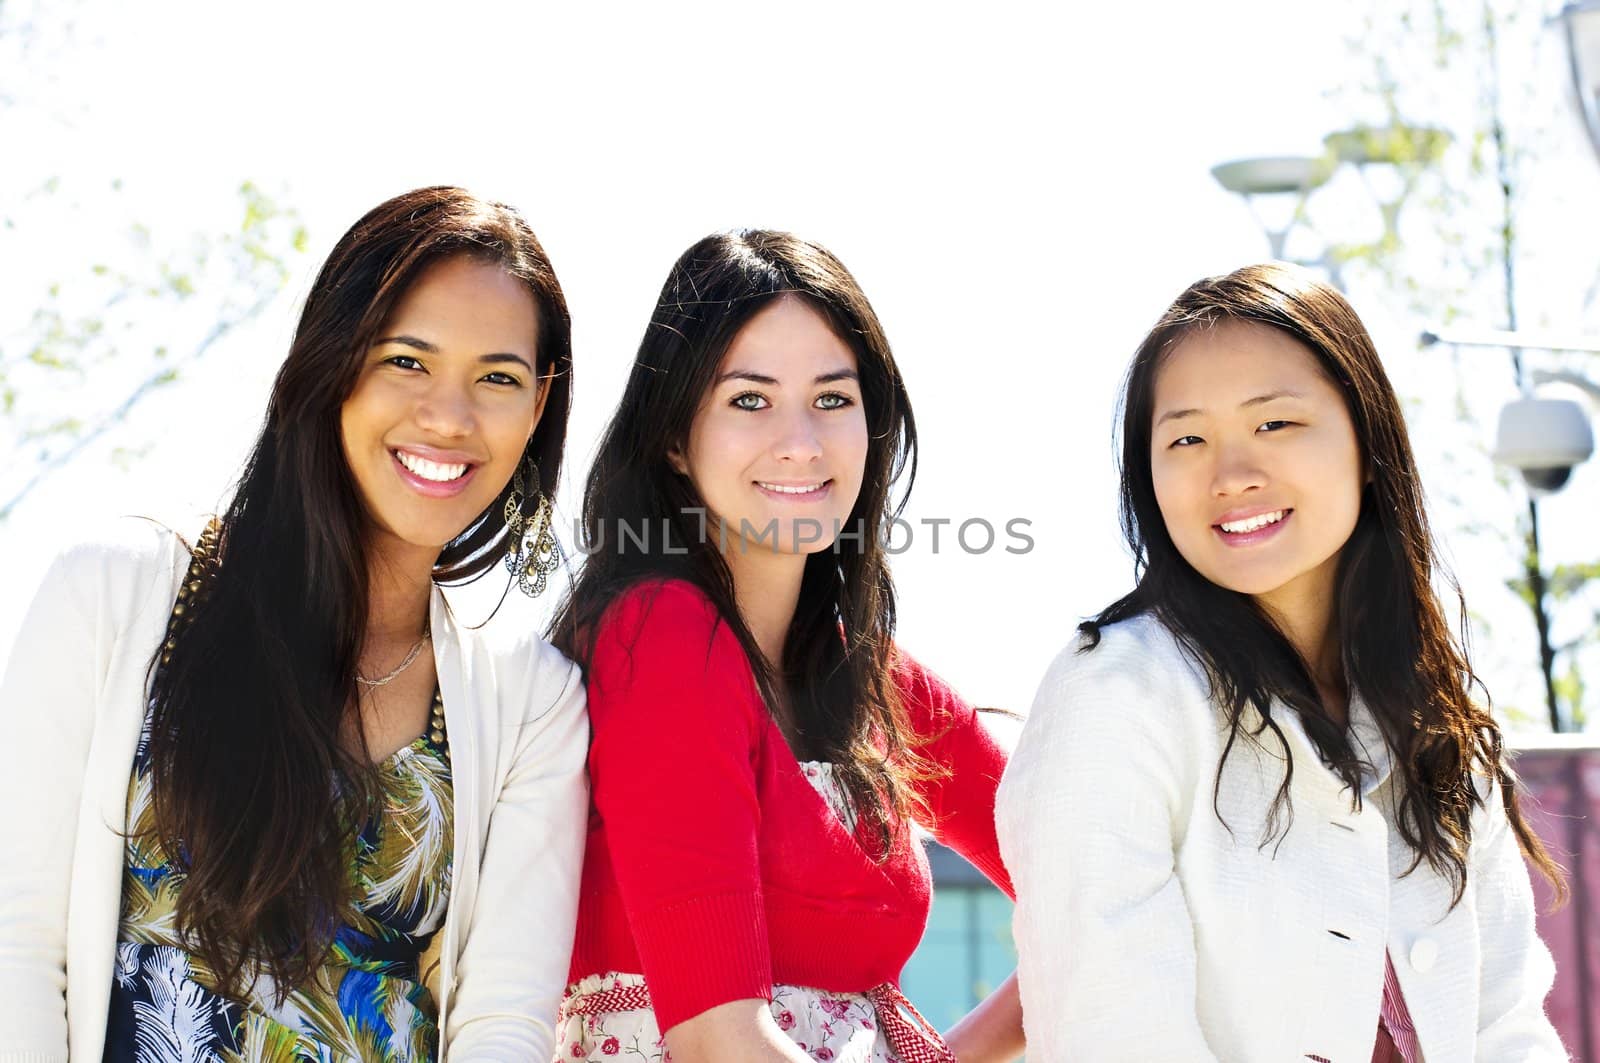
[807,491]
[433,474]
[1255,522]
[438,472]
[1246,529]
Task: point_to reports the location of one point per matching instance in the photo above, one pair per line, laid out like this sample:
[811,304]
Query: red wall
[1563,806]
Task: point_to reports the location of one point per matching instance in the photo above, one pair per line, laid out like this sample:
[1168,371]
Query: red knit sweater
[713,868]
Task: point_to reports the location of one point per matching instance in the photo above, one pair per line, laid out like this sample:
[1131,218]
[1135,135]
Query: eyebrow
[428,348]
[772,382]
[1259,400]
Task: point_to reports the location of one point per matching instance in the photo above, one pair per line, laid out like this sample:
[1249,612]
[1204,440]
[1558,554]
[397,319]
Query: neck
[766,587]
[1308,624]
[399,588]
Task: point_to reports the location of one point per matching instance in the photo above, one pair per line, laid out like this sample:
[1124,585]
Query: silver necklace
[403,665]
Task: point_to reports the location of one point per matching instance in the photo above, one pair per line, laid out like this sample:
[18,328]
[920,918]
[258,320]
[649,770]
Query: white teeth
[782,490]
[430,470]
[1255,523]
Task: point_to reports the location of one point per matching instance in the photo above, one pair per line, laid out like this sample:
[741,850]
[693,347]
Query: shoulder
[1138,659]
[117,583]
[930,703]
[126,545]
[664,618]
[1136,690]
[663,655]
[666,629]
[659,608]
[505,661]
[123,562]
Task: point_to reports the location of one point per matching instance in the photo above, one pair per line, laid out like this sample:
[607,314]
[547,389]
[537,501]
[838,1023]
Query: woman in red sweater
[752,888]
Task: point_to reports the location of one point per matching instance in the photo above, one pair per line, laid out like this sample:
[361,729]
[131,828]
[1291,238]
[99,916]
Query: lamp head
[1543,439]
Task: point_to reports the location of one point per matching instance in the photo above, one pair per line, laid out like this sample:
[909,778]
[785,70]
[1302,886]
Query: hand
[740,1031]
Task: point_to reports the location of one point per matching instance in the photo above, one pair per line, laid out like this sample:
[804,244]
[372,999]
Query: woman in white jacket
[258,769]
[1255,815]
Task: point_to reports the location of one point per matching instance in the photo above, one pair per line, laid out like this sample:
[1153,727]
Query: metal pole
[1541,617]
[1508,260]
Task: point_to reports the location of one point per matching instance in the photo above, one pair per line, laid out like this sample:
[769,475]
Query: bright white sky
[1019,188]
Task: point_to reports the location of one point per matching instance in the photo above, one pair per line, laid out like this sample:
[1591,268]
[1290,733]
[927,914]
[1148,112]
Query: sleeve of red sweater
[674,711]
[969,763]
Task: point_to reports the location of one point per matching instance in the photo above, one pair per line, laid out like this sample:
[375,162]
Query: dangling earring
[531,553]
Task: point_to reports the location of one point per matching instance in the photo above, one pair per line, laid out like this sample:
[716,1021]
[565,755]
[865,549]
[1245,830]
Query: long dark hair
[1398,650]
[257,794]
[840,691]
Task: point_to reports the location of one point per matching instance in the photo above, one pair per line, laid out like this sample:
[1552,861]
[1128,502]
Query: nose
[798,439]
[1236,471]
[445,410]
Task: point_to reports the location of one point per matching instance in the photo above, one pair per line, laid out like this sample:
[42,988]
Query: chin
[426,534]
[1251,583]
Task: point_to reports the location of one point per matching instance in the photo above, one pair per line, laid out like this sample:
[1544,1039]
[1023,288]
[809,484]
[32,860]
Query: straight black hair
[839,654]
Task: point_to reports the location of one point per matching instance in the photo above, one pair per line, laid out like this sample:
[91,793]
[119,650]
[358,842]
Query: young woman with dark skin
[317,744]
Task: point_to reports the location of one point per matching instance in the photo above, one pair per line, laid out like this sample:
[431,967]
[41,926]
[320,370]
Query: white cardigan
[1147,930]
[73,700]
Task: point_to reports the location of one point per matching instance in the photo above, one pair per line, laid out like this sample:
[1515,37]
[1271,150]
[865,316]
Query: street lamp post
[1543,438]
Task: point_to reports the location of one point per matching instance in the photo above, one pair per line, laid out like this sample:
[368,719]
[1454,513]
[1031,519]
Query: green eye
[834,401]
[749,400]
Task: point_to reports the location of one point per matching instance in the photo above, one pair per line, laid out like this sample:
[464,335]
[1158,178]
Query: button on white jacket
[1147,930]
[72,702]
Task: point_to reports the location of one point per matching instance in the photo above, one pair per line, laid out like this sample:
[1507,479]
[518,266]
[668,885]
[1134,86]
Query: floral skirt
[831,1027]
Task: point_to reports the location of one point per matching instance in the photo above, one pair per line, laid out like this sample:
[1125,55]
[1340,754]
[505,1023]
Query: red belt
[913,1039]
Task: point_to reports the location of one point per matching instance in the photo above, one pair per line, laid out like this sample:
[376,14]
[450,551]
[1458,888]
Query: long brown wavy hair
[1398,650]
[257,796]
[841,692]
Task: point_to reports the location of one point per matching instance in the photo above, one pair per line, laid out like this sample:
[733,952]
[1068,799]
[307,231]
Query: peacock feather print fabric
[367,1003]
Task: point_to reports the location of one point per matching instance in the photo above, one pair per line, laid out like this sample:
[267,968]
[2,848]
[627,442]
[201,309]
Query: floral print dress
[829,1027]
[367,1003]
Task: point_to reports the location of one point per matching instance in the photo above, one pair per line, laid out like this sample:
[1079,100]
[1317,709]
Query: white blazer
[1147,930]
[72,703]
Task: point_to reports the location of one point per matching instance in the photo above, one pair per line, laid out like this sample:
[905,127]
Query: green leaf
[1567,580]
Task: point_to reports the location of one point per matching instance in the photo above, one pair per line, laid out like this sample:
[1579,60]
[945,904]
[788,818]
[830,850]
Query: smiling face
[1257,470]
[778,447]
[445,403]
